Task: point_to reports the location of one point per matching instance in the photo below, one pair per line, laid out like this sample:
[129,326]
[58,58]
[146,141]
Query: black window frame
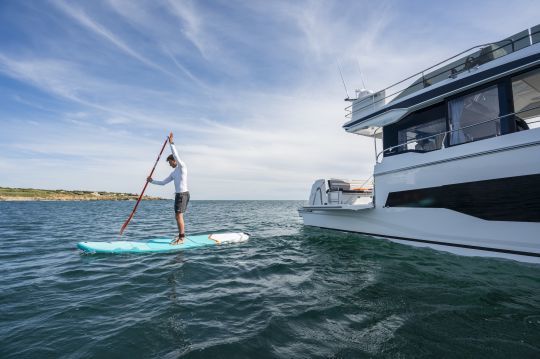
[506,107]
[499,83]
[425,115]
[514,118]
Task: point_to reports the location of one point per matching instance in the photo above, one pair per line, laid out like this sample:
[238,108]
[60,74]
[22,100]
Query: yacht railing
[478,55]
[446,133]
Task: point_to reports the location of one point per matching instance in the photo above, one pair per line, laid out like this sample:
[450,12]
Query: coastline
[75,199]
[30,194]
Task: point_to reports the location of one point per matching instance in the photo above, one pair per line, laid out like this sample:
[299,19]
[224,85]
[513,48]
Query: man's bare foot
[179,239]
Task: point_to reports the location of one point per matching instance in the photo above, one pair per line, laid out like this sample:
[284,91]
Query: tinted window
[474,116]
[535,34]
[526,96]
[423,137]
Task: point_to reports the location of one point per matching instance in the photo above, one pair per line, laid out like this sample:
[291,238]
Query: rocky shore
[30,194]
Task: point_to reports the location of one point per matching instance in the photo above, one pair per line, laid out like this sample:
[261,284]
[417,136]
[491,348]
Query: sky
[251,90]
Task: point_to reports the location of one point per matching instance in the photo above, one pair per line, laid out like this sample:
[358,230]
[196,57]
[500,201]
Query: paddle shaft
[144,189]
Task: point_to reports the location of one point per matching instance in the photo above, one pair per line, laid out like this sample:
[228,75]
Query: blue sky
[251,89]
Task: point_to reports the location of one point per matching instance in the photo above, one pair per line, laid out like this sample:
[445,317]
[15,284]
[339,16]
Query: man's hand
[149,179]
[171,140]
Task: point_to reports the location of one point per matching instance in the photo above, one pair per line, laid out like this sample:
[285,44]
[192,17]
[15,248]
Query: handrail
[389,149]
[415,76]
[422,72]
[468,64]
[320,192]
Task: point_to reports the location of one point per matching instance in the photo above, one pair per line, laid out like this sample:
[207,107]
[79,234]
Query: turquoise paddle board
[160,245]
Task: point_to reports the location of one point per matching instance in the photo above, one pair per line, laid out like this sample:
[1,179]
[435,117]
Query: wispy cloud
[48,75]
[192,24]
[86,21]
[250,89]
[66,80]
[160,30]
[184,70]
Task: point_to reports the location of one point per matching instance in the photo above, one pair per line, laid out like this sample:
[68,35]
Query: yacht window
[535,34]
[474,116]
[424,137]
[526,94]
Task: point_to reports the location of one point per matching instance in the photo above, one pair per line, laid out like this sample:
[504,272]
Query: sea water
[289,292]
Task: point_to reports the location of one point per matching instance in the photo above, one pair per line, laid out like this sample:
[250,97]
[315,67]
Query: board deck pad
[159,245]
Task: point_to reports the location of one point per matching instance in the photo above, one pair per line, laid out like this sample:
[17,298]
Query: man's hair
[170,157]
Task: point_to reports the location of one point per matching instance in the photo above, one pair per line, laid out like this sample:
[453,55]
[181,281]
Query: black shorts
[181,201]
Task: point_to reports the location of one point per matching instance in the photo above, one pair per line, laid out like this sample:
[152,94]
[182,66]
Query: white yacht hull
[440,229]
[509,156]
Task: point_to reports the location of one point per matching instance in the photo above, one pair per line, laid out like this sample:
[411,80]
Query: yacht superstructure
[459,167]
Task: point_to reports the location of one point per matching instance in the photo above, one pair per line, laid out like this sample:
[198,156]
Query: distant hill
[31,194]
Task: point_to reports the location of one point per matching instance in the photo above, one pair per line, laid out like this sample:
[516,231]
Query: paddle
[144,188]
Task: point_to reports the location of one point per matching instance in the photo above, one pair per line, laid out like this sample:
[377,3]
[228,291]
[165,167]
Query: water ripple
[288,292]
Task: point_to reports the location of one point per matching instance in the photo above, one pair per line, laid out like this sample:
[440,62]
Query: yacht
[457,157]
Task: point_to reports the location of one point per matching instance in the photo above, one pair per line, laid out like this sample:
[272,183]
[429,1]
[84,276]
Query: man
[181,198]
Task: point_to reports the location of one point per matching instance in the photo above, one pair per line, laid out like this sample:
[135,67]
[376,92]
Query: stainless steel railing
[446,133]
[478,57]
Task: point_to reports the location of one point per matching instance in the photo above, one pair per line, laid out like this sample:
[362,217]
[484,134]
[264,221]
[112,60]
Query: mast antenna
[342,80]
[361,75]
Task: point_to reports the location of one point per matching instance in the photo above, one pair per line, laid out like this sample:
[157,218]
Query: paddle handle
[144,188]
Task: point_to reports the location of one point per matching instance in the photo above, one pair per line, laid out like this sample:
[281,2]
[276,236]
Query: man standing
[181,198]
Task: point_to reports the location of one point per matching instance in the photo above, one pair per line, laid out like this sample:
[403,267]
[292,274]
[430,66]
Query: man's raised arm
[175,152]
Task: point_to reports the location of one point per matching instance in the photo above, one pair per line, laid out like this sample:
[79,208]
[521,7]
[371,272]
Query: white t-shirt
[179,174]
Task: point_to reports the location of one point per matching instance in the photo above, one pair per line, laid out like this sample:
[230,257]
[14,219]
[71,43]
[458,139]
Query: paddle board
[157,245]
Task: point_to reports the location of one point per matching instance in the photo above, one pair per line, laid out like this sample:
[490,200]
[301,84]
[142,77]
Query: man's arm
[175,152]
[161,183]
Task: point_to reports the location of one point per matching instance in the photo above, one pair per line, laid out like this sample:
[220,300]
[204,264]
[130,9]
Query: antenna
[361,75]
[342,80]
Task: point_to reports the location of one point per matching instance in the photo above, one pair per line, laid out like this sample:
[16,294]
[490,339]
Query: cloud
[192,25]
[117,120]
[266,144]
[250,89]
[86,21]
[48,75]
[107,98]
[145,19]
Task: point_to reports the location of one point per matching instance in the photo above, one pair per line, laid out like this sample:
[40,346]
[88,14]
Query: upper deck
[468,68]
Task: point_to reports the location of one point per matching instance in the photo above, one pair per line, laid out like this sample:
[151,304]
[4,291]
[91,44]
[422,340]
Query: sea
[289,292]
